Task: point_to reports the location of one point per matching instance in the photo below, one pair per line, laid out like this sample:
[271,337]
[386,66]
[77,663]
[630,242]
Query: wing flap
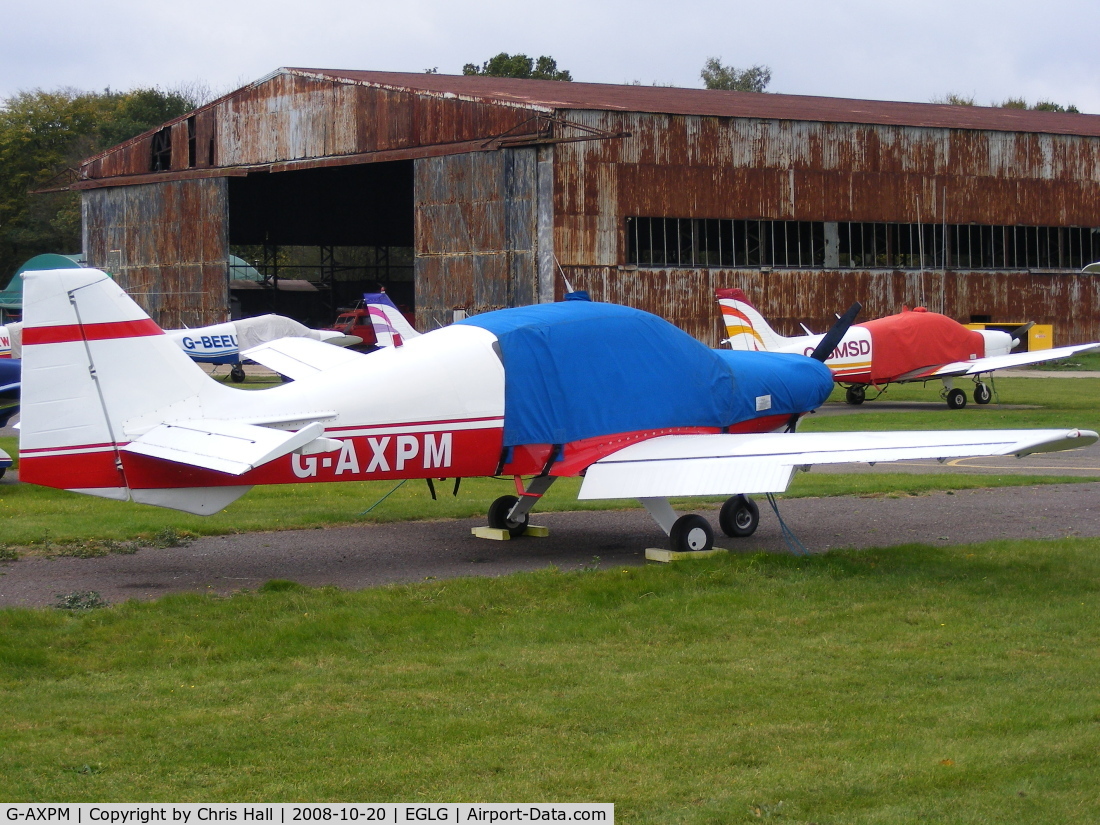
[299,358]
[693,465]
[227,446]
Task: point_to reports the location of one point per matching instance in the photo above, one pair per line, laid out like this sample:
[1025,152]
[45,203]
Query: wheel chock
[665,556]
[494,533]
[499,534]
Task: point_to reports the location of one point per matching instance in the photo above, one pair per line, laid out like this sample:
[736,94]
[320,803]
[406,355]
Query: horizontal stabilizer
[227,446]
[299,358]
[698,465]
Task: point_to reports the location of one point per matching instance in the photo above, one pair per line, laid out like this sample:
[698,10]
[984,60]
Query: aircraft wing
[700,465]
[299,358]
[998,362]
[227,446]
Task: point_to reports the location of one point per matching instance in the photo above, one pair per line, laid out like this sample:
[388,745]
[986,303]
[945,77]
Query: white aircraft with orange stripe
[915,345]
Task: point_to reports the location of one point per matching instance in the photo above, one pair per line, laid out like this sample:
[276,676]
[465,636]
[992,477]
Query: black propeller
[1018,334]
[827,344]
[833,336]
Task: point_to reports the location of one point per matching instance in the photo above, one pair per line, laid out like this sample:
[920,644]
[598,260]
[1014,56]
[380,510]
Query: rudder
[746,328]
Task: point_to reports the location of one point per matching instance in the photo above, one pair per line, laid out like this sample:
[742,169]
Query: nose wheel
[982,393]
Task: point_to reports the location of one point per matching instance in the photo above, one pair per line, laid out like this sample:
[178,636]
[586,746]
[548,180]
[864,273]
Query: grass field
[886,686]
[940,684]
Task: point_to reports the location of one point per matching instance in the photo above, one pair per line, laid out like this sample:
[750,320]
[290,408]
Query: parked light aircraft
[638,407]
[215,344]
[376,321]
[915,345]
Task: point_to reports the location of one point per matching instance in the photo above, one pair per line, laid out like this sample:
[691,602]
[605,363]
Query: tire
[498,516]
[739,517]
[982,393]
[956,399]
[691,533]
[855,394]
[236,375]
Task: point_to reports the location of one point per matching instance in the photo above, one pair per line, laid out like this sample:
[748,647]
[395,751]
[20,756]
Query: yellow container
[1040,336]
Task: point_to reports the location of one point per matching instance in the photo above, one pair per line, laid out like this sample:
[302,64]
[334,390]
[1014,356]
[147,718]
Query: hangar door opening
[308,243]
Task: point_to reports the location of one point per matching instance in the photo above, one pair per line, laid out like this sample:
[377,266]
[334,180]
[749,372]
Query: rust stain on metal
[689,154]
[170,246]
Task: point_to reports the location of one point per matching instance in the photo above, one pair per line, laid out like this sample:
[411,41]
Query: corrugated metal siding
[790,297]
[476,242]
[687,166]
[696,167]
[292,118]
[174,247]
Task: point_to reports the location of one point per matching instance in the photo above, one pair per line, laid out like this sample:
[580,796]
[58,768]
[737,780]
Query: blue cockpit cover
[577,370]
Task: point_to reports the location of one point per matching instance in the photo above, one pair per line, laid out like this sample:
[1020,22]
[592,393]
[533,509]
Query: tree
[1040,106]
[952,99]
[752,79]
[44,133]
[519,65]
[1050,106]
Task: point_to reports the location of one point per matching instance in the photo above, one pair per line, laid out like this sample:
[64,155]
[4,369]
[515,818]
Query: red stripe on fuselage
[66,333]
[438,453]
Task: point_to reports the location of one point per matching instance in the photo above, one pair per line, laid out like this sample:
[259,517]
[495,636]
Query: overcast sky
[899,50]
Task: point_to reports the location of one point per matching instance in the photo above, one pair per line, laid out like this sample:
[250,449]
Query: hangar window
[966,246]
[191,142]
[711,242]
[161,159]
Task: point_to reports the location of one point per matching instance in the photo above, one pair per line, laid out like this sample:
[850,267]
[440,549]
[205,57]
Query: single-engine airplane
[638,407]
[218,343]
[376,321]
[915,345]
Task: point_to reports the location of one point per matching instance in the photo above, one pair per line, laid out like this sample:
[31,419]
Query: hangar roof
[551,94]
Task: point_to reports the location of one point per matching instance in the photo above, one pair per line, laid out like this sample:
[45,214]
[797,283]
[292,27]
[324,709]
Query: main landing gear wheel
[982,393]
[498,516]
[691,533]
[956,399]
[855,395]
[236,375]
[739,517]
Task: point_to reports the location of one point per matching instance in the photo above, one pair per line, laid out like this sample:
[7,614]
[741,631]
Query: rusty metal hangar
[480,192]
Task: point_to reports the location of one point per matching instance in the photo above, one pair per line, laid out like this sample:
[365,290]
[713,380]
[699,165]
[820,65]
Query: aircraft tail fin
[98,374]
[745,326]
[390,327]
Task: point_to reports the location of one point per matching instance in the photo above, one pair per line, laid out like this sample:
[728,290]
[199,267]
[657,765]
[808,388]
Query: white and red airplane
[215,344]
[915,345]
[639,408]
